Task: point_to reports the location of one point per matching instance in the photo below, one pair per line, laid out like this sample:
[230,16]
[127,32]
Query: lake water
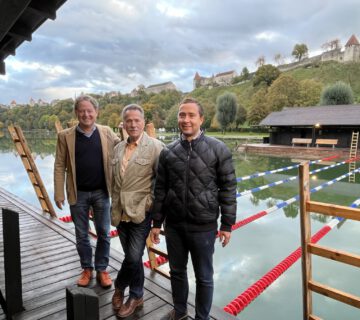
[255,248]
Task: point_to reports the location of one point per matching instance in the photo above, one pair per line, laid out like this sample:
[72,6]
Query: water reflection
[255,248]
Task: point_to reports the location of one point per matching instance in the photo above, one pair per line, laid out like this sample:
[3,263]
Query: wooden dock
[50,263]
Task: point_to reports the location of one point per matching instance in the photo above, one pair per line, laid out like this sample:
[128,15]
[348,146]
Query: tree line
[226,108]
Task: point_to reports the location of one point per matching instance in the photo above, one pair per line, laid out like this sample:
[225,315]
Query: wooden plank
[337,255]
[338,295]
[312,317]
[333,210]
[305,228]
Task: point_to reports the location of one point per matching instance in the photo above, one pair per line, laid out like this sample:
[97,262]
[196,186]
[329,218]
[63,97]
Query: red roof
[197,76]
[353,41]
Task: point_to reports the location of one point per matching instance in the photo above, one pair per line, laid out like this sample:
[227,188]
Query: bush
[337,94]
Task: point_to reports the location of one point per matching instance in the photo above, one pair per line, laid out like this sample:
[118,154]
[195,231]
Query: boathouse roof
[19,19]
[339,115]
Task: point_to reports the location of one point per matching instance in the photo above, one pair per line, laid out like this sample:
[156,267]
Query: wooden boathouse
[331,125]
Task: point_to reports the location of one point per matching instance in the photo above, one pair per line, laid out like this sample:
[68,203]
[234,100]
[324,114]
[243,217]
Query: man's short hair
[132,106]
[85,97]
[192,100]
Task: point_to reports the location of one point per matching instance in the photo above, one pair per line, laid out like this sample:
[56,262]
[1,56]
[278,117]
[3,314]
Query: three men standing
[134,170]
[195,178]
[82,161]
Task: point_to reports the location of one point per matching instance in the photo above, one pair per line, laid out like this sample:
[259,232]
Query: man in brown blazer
[134,168]
[83,161]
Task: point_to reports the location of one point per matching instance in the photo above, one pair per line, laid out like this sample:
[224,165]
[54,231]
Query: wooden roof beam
[21,31]
[44,8]
[2,68]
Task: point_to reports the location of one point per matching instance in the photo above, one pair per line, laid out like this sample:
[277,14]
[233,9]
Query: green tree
[300,51]
[284,92]
[241,115]
[258,109]
[337,94]
[266,74]
[226,106]
[309,92]
[172,117]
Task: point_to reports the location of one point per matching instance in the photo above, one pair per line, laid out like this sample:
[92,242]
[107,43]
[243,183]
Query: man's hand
[155,235]
[59,204]
[224,237]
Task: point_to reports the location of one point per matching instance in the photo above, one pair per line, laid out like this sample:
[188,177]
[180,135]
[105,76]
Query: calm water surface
[255,248]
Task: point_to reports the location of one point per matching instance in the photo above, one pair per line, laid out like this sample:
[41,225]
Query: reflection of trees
[254,200]
[292,210]
[320,217]
[270,203]
[38,142]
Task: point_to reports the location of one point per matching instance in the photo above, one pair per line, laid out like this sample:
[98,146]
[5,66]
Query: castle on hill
[350,53]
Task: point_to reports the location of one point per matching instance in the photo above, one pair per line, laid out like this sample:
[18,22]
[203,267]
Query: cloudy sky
[115,45]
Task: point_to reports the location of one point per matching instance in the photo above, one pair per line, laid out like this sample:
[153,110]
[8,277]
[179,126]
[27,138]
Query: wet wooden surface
[50,263]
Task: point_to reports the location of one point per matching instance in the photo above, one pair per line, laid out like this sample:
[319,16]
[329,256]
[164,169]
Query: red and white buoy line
[260,174]
[276,183]
[283,204]
[251,293]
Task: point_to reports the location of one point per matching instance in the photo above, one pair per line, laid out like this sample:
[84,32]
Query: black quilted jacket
[195,182]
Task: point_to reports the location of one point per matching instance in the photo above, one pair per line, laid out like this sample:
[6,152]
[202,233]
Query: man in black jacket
[195,179]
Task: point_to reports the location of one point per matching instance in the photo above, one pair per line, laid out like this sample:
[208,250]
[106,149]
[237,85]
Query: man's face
[86,114]
[189,120]
[134,124]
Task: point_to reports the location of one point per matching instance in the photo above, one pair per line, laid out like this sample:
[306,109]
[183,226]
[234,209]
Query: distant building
[13,104]
[32,102]
[155,88]
[42,103]
[220,79]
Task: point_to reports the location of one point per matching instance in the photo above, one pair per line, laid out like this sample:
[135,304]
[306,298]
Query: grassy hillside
[327,73]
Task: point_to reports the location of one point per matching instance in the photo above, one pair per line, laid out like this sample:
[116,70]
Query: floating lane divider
[260,174]
[251,293]
[283,204]
[276,183]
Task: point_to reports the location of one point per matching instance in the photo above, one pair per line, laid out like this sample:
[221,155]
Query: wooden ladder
[308,248]
[31,169]
[153,252]
[353,152]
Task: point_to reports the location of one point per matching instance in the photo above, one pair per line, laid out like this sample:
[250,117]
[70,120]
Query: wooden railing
[309,285]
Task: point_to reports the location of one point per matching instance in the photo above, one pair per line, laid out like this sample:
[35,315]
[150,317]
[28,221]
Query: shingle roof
[309,116]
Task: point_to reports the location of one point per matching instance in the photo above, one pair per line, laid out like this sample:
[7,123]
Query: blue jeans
[179,243]
[131,274]
[99,201]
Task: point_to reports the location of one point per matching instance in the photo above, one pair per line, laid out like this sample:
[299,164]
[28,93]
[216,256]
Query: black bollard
[82,303]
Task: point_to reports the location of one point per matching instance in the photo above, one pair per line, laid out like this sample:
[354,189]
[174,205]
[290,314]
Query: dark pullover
[89,162]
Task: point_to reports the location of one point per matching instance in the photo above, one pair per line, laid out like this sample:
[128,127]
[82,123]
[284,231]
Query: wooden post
[12,262]
[82,303]
[305,227]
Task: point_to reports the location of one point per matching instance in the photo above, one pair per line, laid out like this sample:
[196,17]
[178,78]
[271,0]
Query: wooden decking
[50,263]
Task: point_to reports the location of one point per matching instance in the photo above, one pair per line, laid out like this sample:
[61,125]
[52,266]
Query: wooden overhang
[19,19]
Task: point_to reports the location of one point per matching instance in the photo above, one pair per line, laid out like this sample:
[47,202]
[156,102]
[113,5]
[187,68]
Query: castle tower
[196,80]
[352,49]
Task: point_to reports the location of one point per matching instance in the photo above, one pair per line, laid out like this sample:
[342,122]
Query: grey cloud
[120,43]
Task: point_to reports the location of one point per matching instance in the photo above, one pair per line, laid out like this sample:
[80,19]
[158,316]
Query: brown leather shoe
[117,299]
[173,316]
[85,278]
[129,307]
[104,279]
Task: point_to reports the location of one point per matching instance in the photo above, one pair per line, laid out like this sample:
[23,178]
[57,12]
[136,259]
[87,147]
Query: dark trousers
[179,243]
[131,274]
